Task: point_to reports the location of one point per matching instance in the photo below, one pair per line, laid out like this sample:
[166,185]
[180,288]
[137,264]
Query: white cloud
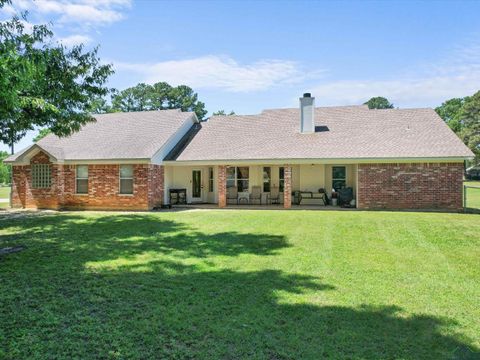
[75,40]
[84,12]
[218,72]
[457,76]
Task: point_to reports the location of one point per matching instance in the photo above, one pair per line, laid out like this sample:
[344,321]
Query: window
[82,179]
[238,176]
[126,179]
[266,179]
[339,177]
[281,178]
[210,179]
[41,176]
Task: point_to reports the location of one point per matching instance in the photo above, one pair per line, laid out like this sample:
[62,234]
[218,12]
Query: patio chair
[232,194]
[256,194]
[274,196]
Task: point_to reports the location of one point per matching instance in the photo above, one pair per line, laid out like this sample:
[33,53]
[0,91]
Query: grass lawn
[240,284]
[4,192]
[473,195]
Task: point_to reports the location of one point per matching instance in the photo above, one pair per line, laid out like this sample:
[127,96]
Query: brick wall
[103,187]
[410,186]
[23,195]
[155,185]
[222,186]
[287,187]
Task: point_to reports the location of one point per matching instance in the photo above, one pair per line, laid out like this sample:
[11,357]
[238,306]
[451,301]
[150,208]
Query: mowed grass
[473,194]
[240,284]
[4,192]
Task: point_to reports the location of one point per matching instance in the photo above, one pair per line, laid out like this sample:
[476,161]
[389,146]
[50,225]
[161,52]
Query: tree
[5,170]
[43,84]
[450,111]
[41,134]
[223,112]
[470,124]
[158,96]
[379,102]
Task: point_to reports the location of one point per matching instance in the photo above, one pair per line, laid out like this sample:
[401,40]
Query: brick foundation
[103,187]
[410,186]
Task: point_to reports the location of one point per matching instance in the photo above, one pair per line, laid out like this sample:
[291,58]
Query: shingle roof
[132,135]
[345,132]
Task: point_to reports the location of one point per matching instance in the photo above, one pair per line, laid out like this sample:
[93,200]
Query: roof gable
[116,136]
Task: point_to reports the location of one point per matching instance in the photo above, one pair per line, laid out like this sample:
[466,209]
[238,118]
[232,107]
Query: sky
[248,56]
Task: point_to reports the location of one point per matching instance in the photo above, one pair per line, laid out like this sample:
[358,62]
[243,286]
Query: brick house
[388,159]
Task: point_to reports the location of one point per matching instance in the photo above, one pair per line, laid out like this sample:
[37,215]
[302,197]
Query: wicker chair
[256,194]
[274,196]
[232,194]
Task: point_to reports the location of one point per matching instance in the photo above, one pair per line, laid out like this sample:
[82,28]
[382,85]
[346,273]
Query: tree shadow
[54,306]
[126,235]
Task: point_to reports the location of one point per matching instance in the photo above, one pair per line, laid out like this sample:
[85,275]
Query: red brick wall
[103,187]
[155,185]
[287,187]
[23,195]
[410,186]
[222,186]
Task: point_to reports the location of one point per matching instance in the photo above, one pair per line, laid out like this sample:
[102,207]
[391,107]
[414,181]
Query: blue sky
[250,55]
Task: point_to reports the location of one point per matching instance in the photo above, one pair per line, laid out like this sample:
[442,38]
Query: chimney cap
[307,95]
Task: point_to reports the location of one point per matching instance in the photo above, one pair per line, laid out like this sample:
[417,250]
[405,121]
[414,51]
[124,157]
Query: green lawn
[240,284]
[4,192]
[473,195]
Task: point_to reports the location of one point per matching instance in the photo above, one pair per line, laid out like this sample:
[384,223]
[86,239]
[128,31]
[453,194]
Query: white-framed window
[239,177]
[210,179]
[81,179]
[281,178]
[267,179]
[339,177]
[41,176]
[126,179]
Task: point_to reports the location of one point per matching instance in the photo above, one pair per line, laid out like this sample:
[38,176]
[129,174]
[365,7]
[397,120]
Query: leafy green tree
[470,121]
[450,111]
[41,134]
[159,96]
[5,170]
[379,102]
[43,84]
[223,112]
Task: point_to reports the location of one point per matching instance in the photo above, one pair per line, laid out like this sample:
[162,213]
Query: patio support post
[222,186]
[287,187]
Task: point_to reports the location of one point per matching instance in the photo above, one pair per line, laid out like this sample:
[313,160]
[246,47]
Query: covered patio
[243,185]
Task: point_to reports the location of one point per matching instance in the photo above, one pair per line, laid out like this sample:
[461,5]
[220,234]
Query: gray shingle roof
[132,135]
[347,132]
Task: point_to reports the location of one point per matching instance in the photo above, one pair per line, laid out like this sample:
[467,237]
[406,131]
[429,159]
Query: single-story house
[389,159]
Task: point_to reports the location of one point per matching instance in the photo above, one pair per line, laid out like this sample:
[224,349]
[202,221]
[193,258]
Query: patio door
[197,185]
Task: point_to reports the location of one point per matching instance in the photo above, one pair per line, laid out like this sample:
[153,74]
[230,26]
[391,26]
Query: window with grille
[41,176]
[82,179]
[238,176]
[339,177]
[126,179]
[210,179]
[281,178]
[266,179]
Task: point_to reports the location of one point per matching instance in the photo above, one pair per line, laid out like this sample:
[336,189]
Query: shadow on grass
[53,306]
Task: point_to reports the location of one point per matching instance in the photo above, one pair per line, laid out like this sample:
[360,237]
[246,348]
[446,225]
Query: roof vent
[307,114]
